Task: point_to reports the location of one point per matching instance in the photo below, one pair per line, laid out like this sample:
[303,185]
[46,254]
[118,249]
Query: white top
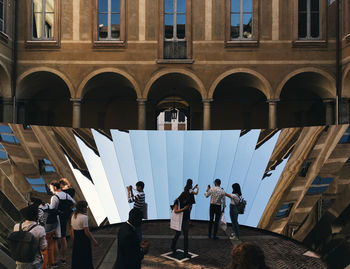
[39,234]
[234,198]
[80,222]
[63,196]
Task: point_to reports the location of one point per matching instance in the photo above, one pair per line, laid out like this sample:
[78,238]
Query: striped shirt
[138,200]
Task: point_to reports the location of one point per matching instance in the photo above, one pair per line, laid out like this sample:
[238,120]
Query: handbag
[222,222]
[176,220]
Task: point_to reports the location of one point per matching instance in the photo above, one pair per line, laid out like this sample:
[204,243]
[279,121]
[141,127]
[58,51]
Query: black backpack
[64,207]
[241,205]
[22,244]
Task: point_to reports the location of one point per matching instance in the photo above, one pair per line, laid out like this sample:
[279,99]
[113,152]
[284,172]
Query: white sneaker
[233,237]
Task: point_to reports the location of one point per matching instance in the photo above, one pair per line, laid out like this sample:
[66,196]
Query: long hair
[80,207]
[236,189]
[248,256]
[188,185]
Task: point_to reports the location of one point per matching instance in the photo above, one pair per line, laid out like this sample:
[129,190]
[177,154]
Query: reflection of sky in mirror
[90,194]
[97,172]
[164,160]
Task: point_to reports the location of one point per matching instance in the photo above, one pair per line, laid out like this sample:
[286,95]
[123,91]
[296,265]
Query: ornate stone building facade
[229,64]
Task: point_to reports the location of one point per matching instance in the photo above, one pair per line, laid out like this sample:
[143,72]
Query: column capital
[207,101]
[7,100]
[76,100]
[328,100]
[272,100]
[141,100]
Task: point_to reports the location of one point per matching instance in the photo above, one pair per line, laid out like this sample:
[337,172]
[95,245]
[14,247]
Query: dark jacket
[129,251]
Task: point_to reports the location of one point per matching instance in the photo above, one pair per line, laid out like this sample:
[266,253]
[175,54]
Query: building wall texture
[273,80]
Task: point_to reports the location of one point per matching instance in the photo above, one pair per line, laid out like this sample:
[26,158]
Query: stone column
[272,113]
[7,110]
[328,103]
[206,114]
[142,113]
[76,122]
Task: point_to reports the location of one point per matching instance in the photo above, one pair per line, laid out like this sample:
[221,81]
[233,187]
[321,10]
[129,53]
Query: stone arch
[261,83]
[328,92]
[49,70]
[5,82]
[200,86]
[81,89]
[306,98]
[43,97]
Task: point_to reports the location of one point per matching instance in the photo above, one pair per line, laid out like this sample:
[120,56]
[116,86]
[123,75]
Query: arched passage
[239,101]
[109,100]
[43,98]
[306,99]
[175,90]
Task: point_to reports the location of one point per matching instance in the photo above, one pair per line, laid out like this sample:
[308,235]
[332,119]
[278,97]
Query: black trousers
[177,235]
[215,211]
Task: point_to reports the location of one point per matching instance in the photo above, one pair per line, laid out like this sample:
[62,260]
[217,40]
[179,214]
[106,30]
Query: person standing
[139,203]
[130,251]
[182,204]
[235,198]
[217,206]
[59,200]
[31,225]
[81,237]
[192,191]
[66,187]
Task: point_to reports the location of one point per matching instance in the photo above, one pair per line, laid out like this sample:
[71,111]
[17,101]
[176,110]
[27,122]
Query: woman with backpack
[81,237]
[235,198]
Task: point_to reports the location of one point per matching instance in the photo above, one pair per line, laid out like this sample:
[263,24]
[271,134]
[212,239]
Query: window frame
[109,43]
[188,34]
[346,21]
[251,42]
[3,33]
[54,42]
[3,30]
[305,42]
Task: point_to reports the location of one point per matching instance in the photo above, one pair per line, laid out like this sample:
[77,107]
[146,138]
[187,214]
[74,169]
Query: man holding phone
[216,201]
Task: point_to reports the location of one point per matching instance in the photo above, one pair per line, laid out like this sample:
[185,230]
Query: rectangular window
[284,211]
[43,19]
[345,139]
[37,184]
[43,24]
[241,22]
[309,24]
[319,185]
[46,166]
[109,19]
[175,29]
[2,15]
[7,135]
[241,19]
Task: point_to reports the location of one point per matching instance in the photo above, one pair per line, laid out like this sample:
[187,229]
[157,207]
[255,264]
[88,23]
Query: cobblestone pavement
[213,254]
